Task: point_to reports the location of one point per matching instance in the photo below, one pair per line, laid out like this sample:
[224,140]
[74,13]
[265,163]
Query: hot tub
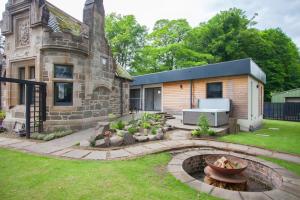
[215,110]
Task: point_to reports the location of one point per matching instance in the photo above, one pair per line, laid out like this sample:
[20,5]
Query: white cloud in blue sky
[271,13]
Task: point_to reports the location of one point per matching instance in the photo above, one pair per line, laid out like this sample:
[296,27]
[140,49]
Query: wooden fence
[282,111]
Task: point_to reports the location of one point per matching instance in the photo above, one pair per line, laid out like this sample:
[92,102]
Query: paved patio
[64,147]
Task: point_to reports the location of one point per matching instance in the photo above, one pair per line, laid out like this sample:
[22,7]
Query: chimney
[94,17]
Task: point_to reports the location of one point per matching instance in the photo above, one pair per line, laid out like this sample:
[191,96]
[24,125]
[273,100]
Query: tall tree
[126,36]
[166,49]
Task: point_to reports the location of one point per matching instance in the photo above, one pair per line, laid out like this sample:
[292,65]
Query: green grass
[286,139]
[293,167]
[24,176]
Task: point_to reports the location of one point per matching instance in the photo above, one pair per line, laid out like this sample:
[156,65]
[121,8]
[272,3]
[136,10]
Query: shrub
[146,125]
[132,130]
[197,133]
[119,125]
[41,136]
[203,124]
[2,114]
[49,137]
[212,132]
[154,131]
[60,134]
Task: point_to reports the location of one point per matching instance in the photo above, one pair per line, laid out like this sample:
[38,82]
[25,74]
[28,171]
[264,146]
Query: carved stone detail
[23,32]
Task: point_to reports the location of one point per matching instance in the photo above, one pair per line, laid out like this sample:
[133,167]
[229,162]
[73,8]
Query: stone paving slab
[280,195]
[184,177]
[197,185]
[138,150]
[3,139]
[9,142]
[226,194]
[61,152]
[76,154]
[155,146]
[22,144]
[119,154]
[255,196]
[287,157]
[96,155]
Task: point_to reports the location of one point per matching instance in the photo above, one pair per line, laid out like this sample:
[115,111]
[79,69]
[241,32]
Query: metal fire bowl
[211,159]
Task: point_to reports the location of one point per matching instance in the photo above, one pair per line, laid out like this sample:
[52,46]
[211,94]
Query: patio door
[153,99]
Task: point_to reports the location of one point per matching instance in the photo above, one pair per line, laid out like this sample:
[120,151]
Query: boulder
[121,133]
[152,137]
[160,134]
[116,141]
[141,138]
[103,143]
[128,139]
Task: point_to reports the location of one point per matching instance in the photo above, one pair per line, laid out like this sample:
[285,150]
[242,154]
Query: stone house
[45,44]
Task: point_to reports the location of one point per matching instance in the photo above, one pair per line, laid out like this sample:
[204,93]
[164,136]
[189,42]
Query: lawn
[24,176]
[285,139]
[293,167]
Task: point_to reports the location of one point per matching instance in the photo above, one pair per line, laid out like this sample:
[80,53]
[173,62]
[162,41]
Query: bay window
[63,85]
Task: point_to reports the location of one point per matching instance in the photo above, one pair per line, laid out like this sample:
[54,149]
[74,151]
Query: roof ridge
[186,68]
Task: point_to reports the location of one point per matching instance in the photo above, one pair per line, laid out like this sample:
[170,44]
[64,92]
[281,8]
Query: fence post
[27,113]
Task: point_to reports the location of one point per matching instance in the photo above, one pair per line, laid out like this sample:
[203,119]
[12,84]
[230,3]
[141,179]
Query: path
[64,148]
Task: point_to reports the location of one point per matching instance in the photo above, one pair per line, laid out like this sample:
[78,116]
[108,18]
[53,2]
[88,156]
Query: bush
[49,137]
[132,130]
[146,125]
[119,125]
[41,136]
[154,131]
[203,124]
[63,133]
[211,132]
[92,141]
[111,117]
[2,114]
[197,133]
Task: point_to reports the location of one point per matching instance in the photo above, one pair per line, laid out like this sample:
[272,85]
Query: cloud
[271,13]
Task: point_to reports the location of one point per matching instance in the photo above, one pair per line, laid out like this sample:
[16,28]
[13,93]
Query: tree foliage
[125,36]
[229,35]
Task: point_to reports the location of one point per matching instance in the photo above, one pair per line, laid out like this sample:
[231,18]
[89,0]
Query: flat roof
[231,68]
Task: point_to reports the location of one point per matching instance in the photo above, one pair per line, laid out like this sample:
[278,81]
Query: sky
[284,14]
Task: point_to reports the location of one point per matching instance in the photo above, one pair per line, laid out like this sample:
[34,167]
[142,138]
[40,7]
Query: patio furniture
[215,110]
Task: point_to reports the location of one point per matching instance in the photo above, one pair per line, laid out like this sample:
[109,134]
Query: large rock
[160,134]
[103,143]
[116,141]
[128,139]
[101,129]
[141,138]
[152,137]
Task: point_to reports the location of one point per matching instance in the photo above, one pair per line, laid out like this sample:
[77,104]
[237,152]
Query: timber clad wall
[176,98]
[235,88]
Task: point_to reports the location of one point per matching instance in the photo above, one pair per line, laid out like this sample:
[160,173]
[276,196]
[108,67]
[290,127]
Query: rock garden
[149,127]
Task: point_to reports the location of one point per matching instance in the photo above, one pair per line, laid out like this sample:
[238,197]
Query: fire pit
[264,180]
[225,172]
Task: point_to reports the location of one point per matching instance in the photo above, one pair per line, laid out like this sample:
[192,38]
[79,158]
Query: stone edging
[140,150]
[289,189]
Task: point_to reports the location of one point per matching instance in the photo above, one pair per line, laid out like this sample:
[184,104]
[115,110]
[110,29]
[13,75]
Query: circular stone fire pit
[262,179]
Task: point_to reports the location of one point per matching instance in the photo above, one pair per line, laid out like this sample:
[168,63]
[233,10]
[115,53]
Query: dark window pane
[214,90]
[61,71]
[63,94]
[32,73]
[22,86]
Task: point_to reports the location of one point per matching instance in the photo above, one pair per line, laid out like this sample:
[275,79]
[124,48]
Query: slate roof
[59,21]
[122,73]
[232,68]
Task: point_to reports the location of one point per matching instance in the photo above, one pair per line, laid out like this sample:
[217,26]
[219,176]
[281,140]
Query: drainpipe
[191,94]
[121,97]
